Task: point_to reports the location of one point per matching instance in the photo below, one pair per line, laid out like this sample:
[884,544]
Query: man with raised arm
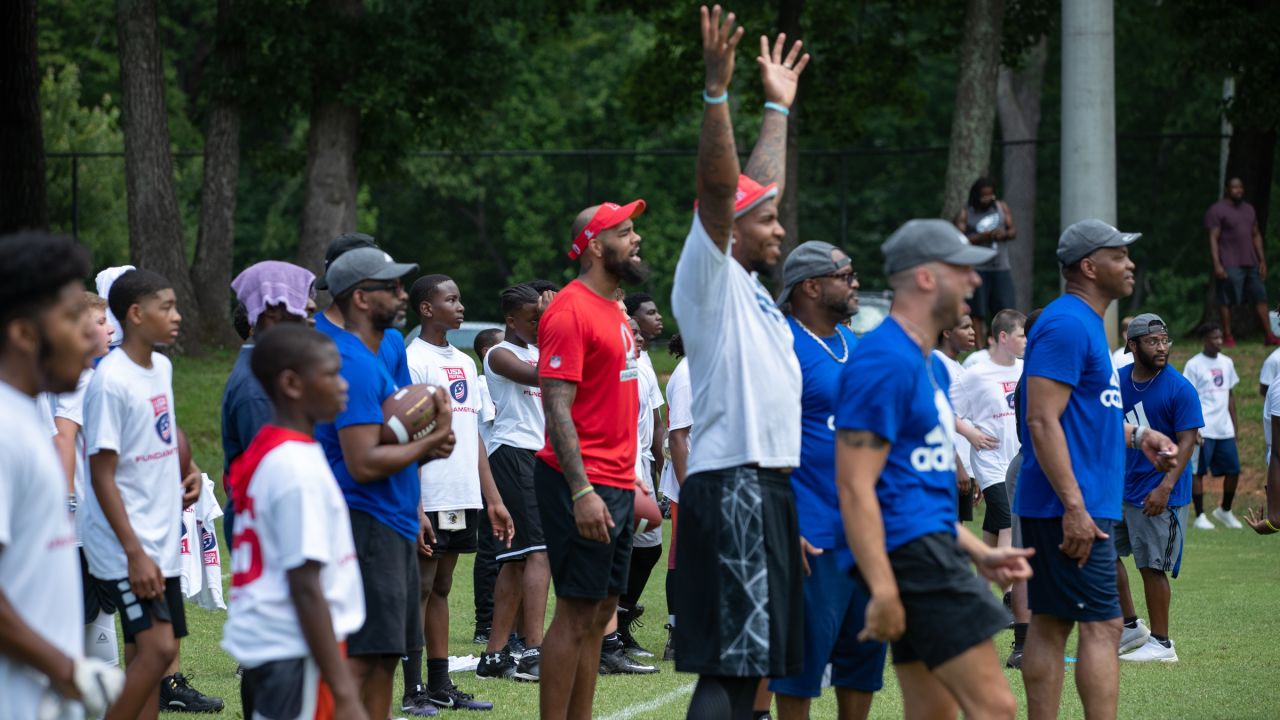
[740,596]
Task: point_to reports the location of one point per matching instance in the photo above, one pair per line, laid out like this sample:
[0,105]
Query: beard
[1147,359]
[384,320]
[623,266]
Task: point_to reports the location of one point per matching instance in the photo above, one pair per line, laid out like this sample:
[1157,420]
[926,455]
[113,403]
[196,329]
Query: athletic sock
[611,643]
[643,561]
[1198,500]
[412,666]
[1227,498]
[1162,639]
[437,674]
[1019,635]
[1131,622]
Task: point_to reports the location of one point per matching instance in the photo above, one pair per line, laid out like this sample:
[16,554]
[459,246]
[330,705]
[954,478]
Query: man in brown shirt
[1239,263]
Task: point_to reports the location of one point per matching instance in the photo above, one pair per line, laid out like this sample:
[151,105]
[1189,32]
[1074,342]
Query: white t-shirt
[70,406]
[1270,371]
[1213,379]
[985,399]
[519,421]
[743,368]
[974,358]
[298,515]
[1270,408]
[956,371]
[454,482]
[487,409]
[1120,358]
[679,416]
[128,409]
[39,569]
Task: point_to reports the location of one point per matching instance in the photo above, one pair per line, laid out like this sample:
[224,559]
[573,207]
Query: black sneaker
[617,662]
[669,652]
[628,619]
[177,695]
[496,666]
[530,665]
[451,698]
[481,637]
[1015,660]
[417,703]
[515,645]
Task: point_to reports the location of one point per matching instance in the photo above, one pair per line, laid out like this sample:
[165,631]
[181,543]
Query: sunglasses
[850,278]
[391,286]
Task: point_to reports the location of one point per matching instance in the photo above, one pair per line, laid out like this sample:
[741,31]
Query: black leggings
[723,698]
[642,562]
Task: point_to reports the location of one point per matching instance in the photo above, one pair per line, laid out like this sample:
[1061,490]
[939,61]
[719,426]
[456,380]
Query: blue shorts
[1059,587]
[834,608]
[1218,458]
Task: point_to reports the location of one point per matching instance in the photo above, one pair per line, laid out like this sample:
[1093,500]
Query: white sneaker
[1202,522]
[1226,518]
[1134,638]
[1152,651]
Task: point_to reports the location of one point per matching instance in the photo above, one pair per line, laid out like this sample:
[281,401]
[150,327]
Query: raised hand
[719,43]
[780,75]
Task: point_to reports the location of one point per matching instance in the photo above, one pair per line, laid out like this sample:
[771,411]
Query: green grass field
[1223,617]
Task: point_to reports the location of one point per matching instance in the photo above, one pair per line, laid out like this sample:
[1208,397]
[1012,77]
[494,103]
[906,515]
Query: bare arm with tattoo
[718,166]
[780,77]
[860,458]
[589,511]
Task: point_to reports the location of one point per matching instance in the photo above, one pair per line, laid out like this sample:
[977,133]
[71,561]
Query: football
[648,516]
[408,414]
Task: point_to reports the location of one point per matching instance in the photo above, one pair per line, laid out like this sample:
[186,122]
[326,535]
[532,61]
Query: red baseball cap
[749,194]
[609,214]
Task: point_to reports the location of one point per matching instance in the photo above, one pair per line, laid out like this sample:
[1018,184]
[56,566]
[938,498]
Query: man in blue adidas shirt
[896,474]
[379,482]
[1068,495]
[821,293]
[1155,395]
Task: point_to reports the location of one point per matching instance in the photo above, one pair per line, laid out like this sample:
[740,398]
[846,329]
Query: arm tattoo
[862,439]
[768,161]
[557,405]
[718,169]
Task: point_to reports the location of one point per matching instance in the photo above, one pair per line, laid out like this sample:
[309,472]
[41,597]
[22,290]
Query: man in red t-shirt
[585,475]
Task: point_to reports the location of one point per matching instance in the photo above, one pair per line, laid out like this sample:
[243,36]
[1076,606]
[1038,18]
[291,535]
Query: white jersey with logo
[1213,379]
[974,358]
[742,364]
[957,371]
[128,410]
[488,411]
[297,515]
[70,406]
[454,482]
[985,399]
[519,421]
[679,417]
[39,569]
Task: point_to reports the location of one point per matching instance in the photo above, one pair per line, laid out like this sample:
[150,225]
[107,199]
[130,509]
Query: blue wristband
[715,100]
[778,108]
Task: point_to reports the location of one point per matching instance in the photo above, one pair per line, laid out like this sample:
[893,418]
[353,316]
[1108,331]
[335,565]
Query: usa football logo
[457,384]
[1217,377]
[164,428]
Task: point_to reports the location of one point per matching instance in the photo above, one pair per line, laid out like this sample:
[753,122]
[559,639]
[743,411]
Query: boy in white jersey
[1214,376]
[133,520]
[985,399]
[484,572]
[296,590]
[518,432]
[454,489]
[44,347]
[951,343]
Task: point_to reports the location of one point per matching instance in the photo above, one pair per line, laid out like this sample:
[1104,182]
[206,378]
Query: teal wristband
[778,108]
[715,100]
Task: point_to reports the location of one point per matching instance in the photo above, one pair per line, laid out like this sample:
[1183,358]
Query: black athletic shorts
[993,295]
[285,690]
[997,499]
[964,506]
[466,540]
[1059,586]
[512,469]
[581,568]
[389,573]
[97,597]
[740,598]
[138,615]
[949,608]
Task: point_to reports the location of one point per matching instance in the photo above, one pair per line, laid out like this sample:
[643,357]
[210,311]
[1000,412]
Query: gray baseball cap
[920,241]
[363,263]
[1145,324]
[1082,238]
[809,260]
[340,245]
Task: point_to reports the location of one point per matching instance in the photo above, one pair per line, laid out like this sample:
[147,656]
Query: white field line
[639,708]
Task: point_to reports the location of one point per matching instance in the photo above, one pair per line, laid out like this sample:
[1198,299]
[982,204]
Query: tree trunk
[22,201]
[1018,105]
[211,273]
[970,148]
[329,207]
[1251,158]
[789,12]
[155,227]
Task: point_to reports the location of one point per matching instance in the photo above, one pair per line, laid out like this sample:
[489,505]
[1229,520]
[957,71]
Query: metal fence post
[75,196]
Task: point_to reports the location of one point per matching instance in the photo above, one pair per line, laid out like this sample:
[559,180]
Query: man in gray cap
[819,295]
[896,474]
[1155,507]
[1068,500]
[380,482]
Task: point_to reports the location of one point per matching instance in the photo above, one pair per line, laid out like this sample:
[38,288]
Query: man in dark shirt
[1239,263]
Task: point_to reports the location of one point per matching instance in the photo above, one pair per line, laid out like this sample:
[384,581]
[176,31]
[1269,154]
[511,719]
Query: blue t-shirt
[1170,405]
[245,408]
[888,389]
[814,480]
[370,379]
[1069,345]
